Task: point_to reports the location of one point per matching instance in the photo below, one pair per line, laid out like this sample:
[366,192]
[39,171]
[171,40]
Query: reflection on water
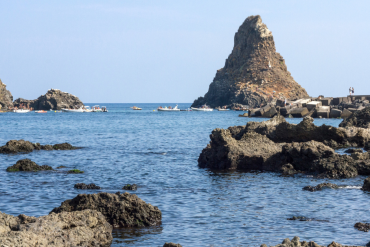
[159,152]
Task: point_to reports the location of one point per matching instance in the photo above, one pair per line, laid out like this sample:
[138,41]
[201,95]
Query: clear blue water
[159,152]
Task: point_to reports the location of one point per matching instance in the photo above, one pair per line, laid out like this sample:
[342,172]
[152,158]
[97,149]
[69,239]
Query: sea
[158,151]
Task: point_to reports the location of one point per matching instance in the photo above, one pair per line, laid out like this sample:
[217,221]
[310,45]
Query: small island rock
[27,165]
[321,186]
[83,186]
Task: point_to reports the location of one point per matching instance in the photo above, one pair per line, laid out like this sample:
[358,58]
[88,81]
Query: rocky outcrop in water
[6,98]
[22,146]
[295,242]
[276,145]
[83,186]
[252,72]
[27,165]
[172,245]
[83,228]
[120,210]
[54,99]
[321,187]
[365,227]
[358,119]
[130,187]
[366,186]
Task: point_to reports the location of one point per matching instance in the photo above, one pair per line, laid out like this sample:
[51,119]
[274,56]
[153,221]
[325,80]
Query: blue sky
[169,51]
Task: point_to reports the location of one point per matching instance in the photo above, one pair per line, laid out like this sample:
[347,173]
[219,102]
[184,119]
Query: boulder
[321,186]
[120,210]
[365,227]
[82,228]
[295,242]
[54,99]
[299,112]
[171,245]
[130,187]
[346,113]
[270,112]
[325,101]
[323,111]
[336,101]
[83,186]
[252,70]
[26,165]
[358,119]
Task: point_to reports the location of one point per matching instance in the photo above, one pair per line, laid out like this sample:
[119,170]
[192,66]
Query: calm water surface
[159,152]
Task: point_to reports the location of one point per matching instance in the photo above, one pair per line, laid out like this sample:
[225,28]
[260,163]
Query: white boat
[223,109]
[203,108]
[136,108]
[41,111]
[21,111]
[87,109]
[168,109]
[96,108]
[73,110]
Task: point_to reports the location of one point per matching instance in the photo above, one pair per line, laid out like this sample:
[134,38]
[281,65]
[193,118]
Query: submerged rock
[54,99]
[22,146]
[295,242]
[83,186]
[358,119]
[300,218]
[365,227]
[83,228]
[321,186]
[130,187]
[120,210]
[366,186]
[276,145]
[252,72]
[27,165]
[171,245]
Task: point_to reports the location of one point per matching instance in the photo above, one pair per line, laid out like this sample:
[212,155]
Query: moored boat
[168,108]
[87,109]
[21,111]
[104,109]
[73,110]
[41,111]
[96,108]
[203,108]
[136,108]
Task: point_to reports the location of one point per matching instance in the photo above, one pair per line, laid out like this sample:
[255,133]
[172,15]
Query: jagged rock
[365,227]
[276,145]
[27,165]
[353,150]
[360,156]
[6,98]
[171,245]
[22,146]
[120,210]
[130,187]
[54,99]
[83,186]
[321,186]
[366,186]
[252,72]
[83,228]
[296,243]
[358,119]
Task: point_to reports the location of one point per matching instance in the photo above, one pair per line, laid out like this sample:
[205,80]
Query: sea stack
[6,98]
[253,73]
[54,99]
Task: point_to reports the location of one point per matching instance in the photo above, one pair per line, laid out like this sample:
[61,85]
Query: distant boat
[96,108]
[73,110]
[223,109]
[87,109]
[21,111]
[168,108]
[41,111]
[203,108]
[104,109]
[136,108]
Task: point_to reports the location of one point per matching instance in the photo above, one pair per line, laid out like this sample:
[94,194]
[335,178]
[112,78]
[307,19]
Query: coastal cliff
[252,72]
[54,99]
[6,98]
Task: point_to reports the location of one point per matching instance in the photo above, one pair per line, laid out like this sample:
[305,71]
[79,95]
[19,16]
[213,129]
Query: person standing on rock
[353,91]
[350,91]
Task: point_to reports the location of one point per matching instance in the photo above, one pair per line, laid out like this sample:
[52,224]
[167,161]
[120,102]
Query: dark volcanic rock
[22,146]
[321,186]
[253,64]
[365,227]
[130,187]
[358,119]
[54,99]
[120,210]
[6,98]
[300,218]
[83,186]
[354,150]
[171,245]
[27,165]
[276,145]
[366,186]
[84,228]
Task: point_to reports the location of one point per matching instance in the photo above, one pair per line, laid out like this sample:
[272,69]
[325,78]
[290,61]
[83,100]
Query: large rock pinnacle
[252,72]
[6,98]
